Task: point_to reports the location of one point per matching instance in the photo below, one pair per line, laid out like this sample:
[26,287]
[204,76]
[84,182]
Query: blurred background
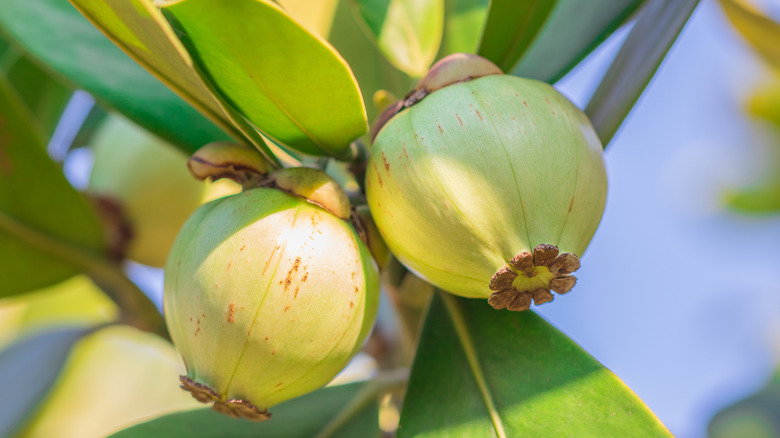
[679,293]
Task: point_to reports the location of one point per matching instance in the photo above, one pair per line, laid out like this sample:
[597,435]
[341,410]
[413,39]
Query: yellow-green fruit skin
[268,296]
[479,171]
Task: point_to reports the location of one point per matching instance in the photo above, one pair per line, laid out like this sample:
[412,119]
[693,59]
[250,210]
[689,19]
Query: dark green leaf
[408,32]
[659,24]
[573,30]
[288,82]
[54,33]
[480,372]
[45,97]
[37,205]
[302,417]
[510,29]
[28,368]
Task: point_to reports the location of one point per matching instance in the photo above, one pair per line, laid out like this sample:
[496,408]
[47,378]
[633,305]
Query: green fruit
[268,295]
[147,180]
[487,187]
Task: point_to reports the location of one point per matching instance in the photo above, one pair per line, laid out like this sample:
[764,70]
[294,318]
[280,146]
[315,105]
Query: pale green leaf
[287,81]
[408,32]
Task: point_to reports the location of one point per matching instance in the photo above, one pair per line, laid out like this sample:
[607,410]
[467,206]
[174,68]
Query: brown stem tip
[233,407]
[530,276]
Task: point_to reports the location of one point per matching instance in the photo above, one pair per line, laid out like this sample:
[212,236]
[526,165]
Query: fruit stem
[136,308]
[384,382]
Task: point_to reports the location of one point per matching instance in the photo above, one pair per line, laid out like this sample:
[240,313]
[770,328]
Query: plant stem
[370,392]
[136,308]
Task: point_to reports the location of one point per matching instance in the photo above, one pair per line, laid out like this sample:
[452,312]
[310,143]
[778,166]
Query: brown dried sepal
[565,263]
[233,407]
[507,296]
[502,279]
[563,284]
[524,262]
[511,299]
[545,254]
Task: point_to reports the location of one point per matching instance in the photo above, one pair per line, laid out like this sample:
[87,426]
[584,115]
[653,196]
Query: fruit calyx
[450,70]
[314,185]
[530,277]
[233,161]
[233,407]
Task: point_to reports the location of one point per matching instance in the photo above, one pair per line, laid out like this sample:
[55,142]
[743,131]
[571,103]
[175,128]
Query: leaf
[656,29]
[74,301]
[28,368]
[463,24]
[288,82]
[43,95]
[408,32]
[37,206]
[573,29]
[83,56]
[756,416]
[510,29]
[372,70]
[757,28]
[301,417]
[481,372]
[763,196]
[316,16]
[140,29]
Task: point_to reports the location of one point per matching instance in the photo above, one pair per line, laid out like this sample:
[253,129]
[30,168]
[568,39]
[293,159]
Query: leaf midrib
[462,333]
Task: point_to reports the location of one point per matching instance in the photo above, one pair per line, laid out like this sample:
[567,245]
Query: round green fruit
[268,295]
[487,185]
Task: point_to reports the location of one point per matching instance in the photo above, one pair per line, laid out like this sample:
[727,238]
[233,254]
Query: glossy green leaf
[84,57]
[408,32]
[573,30]
[139,28]
[45,96]
[302,417]
[288,82]
[510,28]
[463,24]
[32,187]
[659,24]
[759,29]
[28,368]
[480,372]
[372,70]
